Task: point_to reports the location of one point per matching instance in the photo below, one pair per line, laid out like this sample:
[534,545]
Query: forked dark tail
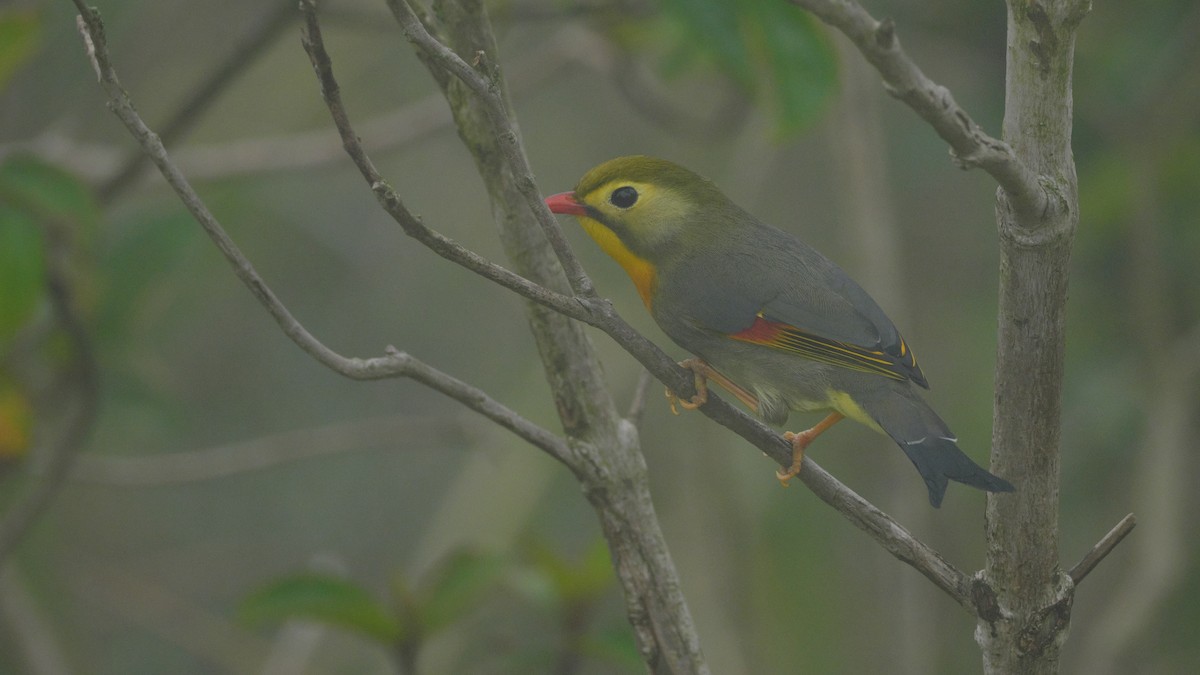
[940,460]
[924,437]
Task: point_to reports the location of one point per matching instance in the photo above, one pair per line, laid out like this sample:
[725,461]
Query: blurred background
[238,508]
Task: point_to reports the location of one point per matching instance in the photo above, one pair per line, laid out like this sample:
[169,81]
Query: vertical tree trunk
[614,475]
[1024,624]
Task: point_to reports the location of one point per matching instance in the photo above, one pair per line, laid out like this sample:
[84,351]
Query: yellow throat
[638,269]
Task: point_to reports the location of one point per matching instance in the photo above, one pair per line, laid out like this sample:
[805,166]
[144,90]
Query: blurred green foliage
[452,589]
[22,269]
[35,198]
[16,424]
[457,586]
[327,599]
[774,50]
[43,209]
[19,33]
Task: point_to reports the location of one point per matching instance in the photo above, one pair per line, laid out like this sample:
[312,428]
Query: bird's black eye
[624,197]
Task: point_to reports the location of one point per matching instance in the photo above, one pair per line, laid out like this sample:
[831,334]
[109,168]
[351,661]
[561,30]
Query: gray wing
[820,313]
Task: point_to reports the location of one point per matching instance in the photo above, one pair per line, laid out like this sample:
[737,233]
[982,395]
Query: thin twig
[596,312]
[245,52]
[969,145]
[391,201]
[393,364]
[1102,548]
[387,132]
[173,468]
[493,103]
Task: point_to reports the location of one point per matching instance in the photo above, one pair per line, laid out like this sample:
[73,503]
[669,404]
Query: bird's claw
[692,403]
[785,477]
[799,443]
[701,384]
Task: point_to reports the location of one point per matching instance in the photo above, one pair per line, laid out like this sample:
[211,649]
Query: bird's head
[647,207]
[643,211]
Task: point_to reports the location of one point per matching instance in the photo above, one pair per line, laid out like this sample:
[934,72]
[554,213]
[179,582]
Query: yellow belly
[841,402]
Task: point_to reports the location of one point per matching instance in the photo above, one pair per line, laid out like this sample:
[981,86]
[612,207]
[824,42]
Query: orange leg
[800,441]
[703,373]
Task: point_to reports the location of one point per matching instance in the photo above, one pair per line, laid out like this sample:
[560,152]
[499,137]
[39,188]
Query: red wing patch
[788,338]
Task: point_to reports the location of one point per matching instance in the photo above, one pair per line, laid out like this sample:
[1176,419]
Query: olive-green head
[650,206]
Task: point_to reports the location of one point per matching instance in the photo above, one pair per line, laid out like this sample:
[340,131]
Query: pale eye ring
[623,197]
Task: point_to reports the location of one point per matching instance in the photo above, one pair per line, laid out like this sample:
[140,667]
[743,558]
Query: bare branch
[1102,548]
[393,204]
[389,131]
[92,29]
[493,103]
[891,535]
[172,468]
[245,51]
[393,364]
[485,405]
[969,145]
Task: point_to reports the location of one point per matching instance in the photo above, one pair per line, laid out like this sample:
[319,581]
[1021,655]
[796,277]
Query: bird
[766,316]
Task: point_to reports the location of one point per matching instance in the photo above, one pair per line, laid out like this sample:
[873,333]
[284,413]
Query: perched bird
[769,318]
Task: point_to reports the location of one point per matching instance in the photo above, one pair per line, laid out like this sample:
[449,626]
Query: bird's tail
[924,437]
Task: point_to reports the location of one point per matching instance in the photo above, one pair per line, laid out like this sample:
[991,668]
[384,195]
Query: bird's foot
[701,371]
[800,442]
[704,373]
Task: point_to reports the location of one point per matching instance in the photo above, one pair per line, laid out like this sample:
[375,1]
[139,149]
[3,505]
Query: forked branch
[969,144]
[393,364]
[496,108]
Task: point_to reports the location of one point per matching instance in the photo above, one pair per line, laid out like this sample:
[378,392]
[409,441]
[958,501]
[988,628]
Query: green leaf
[801,62]
[326,599]
[614,644]
[575,582]
[459,584]
[769,46]
[164,235]
[19,32]
[47,192]
[594,573]
[22,270]
[33,194]
[713,27]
